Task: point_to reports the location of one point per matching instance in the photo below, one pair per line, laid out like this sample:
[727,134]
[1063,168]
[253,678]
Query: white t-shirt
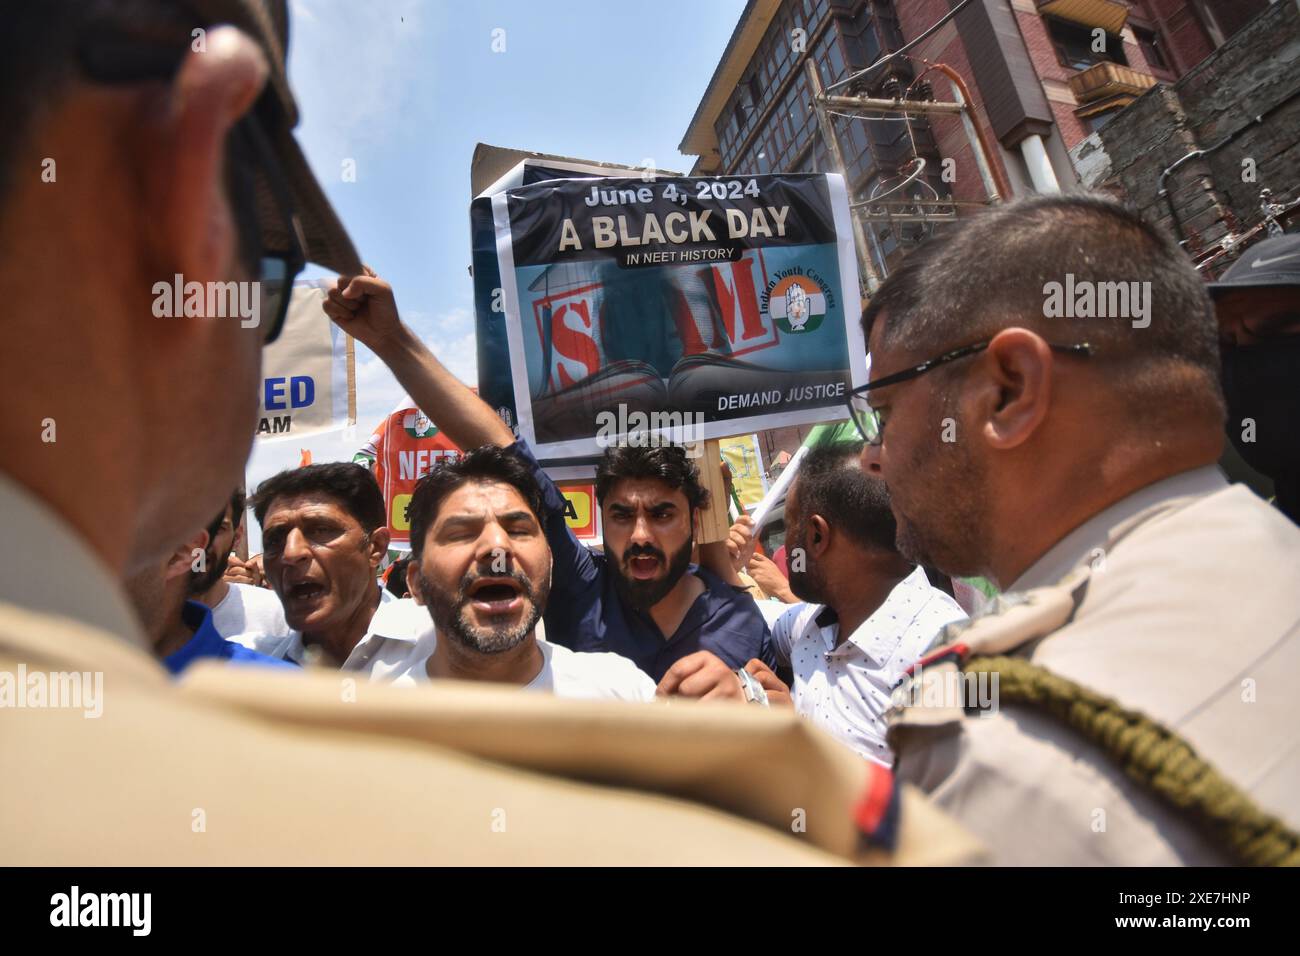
[565,673]
[254,617]
[590,676]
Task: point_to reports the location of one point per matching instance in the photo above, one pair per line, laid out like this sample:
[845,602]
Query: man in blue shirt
[181,630]
[642,598]
[206,642]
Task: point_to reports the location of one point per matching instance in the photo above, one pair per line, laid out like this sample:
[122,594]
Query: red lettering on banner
[737,296]
[573,343]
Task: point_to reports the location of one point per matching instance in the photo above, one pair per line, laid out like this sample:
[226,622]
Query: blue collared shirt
[585,613]
[206,642]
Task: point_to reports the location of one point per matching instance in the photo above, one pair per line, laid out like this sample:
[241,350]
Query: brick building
[1043,75]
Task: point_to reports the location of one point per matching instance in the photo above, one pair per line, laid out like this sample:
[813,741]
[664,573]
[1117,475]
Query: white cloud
[356,70]
[377,391]
[450,336]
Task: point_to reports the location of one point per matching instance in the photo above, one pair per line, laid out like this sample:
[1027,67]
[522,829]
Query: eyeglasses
[276,270]
[872,427]
[117,58]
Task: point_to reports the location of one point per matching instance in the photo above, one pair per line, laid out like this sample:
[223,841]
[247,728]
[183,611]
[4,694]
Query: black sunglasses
[867,419]
[115,58]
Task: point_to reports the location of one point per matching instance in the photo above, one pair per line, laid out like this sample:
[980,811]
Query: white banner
[306,371]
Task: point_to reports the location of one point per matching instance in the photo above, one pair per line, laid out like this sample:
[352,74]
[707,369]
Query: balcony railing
[1110,15]
[1104,80]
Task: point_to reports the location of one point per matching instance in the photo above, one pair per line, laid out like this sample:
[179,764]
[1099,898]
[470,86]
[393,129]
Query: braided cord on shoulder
[1154,756]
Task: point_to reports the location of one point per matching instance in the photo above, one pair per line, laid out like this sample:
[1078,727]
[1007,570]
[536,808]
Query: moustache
[643,551]
[524,581]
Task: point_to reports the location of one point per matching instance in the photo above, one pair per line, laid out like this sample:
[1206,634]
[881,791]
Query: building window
[1097,120]
[1075,45]
[1152,48]
[1222,18]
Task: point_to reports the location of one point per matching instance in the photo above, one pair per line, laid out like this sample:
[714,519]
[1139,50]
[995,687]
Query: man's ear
[185,559]
[212,90]
[1015,391]
[818,538]
[413,581]
[379,539]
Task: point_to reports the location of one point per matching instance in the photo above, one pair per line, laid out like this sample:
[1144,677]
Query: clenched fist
[245,572]
[364,307]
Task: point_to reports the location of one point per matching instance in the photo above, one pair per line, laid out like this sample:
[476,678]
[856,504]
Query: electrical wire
[895,119]
[902,49]
[911,178]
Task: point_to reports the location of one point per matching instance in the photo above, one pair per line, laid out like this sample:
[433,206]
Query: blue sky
[406,88]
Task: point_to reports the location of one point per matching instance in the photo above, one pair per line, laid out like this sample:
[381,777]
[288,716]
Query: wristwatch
[754,692]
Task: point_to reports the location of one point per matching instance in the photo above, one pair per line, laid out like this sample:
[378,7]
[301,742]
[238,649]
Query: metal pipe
[1162,190]
[995,182]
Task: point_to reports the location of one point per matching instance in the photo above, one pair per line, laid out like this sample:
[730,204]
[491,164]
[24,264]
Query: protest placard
[495,378]
[404,447]
[676,308]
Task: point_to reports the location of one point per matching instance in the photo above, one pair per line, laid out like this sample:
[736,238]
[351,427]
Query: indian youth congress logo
[797,301]
[418,425]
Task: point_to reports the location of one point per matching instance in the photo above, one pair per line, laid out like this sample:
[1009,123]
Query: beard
[809,584]
[947,527]
[643,595]
[202,581]
[449,615]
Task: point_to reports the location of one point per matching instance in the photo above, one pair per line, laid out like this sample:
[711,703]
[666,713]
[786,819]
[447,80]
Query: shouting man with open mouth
[481,565]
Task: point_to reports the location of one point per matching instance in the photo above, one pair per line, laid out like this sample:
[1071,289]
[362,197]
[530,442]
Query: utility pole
[837,159]
[995,183]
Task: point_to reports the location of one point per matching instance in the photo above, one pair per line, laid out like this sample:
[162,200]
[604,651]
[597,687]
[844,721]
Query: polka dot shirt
[846,689]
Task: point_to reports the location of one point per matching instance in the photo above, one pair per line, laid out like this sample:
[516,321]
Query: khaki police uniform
[1181,602]
[247,766]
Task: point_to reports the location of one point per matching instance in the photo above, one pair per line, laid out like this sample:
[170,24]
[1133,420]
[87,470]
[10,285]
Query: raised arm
[365,308]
